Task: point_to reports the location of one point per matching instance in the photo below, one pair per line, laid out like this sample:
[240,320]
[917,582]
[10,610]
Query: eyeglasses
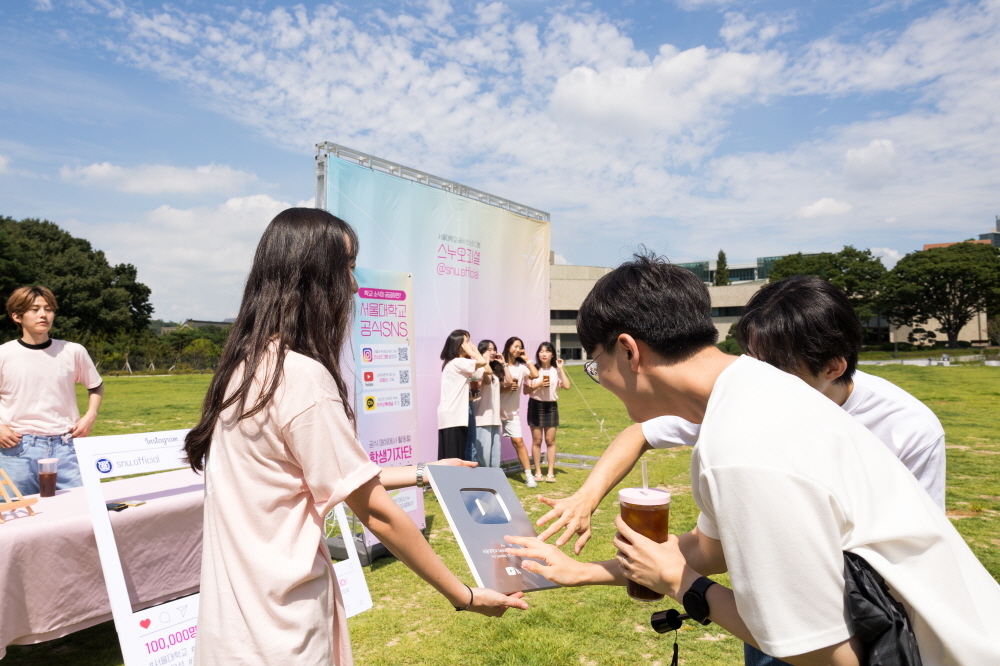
[591,368]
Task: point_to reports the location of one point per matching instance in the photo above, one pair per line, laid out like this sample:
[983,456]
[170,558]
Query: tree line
[951,285]
[103,307]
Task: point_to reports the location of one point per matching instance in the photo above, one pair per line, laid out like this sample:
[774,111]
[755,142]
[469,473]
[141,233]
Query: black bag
[880,622]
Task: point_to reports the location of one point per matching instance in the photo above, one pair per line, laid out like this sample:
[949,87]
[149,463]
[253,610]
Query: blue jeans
[487,448]
[470,440]
[21,461]
[754,657]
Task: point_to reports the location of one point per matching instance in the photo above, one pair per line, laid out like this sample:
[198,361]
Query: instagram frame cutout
[159,631]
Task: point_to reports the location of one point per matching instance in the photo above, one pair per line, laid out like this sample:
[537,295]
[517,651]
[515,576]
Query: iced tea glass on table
[647,511]
[48,470]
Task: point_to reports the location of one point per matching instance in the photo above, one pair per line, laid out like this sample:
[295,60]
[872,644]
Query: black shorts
[543,413]
[451,442]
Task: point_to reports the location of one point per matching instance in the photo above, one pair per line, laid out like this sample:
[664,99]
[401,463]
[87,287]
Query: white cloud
[566,114]
[825,207]
[42,5]
[742,33]
[194,259]
[889,256]
[160,179]
[694,5]
[560,260]
[4,164]
[873,166]
[677,92]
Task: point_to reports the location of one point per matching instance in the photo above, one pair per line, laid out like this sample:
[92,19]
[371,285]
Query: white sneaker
[529,479]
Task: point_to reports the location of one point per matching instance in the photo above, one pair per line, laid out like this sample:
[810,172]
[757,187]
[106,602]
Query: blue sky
[170,134]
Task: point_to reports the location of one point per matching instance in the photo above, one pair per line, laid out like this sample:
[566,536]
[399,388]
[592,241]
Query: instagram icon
[366,355]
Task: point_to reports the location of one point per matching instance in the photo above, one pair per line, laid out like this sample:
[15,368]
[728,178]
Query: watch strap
[421,482]
[695,603]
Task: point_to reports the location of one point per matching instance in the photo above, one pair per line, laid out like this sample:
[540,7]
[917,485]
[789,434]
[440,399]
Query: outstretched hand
[572,513]
[455,462]
[559,567]
[494,604]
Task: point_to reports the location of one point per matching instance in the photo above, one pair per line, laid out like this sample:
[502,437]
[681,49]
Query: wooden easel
[13,505]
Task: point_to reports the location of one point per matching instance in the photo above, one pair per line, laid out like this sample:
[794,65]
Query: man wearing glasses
[786,482]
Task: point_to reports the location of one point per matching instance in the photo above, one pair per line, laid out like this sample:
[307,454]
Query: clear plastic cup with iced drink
[647,511]
[48,470]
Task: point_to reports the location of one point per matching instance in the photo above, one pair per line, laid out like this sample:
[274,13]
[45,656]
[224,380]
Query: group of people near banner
[805,472]
[480,401]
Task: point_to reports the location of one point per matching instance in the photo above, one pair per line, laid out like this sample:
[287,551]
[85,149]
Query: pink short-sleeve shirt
[38,385]
[268,595]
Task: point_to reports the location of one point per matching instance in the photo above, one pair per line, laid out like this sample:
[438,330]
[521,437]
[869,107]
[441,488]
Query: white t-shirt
[551,392]
[487,408]
[665,432]
[907,426]
[787,481]
[510,401]
[453,409]
[37,386]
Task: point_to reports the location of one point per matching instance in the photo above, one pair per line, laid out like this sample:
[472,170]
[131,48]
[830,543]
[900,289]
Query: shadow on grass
[96,646]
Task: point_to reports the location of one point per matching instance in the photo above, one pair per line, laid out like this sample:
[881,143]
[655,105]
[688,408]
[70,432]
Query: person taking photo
[520,369]
[459,361]
[486,449]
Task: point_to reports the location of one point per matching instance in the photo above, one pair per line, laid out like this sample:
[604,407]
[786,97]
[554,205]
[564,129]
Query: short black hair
[664,305]
[801,320]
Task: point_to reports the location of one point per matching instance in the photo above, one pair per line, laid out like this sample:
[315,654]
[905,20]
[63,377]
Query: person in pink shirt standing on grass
[279,449]
[39,416]
[543,408]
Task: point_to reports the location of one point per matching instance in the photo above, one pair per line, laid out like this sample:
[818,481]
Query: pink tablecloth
[50,572]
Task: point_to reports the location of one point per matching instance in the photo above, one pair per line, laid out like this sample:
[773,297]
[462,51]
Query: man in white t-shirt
[39,416]
[786,482]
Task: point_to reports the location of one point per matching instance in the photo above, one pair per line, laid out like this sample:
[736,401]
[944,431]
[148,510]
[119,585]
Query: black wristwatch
[695,603]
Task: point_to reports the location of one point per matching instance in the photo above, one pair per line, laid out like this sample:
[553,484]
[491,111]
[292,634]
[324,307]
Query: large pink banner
[474,265]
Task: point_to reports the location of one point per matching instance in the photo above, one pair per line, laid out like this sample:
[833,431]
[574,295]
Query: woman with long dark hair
[459,361]
[279,449]
[543,410]
[486,448]
[520,370]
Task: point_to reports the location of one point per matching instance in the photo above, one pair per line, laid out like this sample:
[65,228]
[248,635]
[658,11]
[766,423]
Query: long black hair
[548,346]
[495,366]
[299,294]
[453,346]
[506,350]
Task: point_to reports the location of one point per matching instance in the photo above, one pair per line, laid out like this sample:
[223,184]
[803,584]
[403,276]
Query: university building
[569,285]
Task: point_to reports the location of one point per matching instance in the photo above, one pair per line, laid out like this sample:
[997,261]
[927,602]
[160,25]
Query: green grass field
[411,624]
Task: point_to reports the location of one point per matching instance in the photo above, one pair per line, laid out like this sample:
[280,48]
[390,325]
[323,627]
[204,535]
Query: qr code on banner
[404,376]
[404,399]
[404,353]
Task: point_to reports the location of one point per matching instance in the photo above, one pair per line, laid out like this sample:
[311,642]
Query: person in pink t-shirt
[520,370]
[39,416]
[278,446]
[543,408]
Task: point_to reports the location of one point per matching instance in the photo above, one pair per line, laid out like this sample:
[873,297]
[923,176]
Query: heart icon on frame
[144,623]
